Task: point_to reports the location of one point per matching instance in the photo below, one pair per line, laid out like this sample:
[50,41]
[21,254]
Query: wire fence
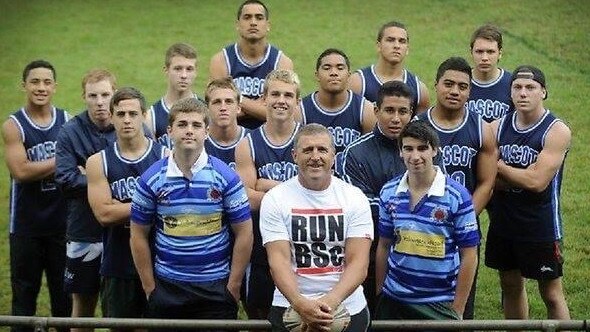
[42,324]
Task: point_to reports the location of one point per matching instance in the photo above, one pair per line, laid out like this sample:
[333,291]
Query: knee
[512,285]
[553,297]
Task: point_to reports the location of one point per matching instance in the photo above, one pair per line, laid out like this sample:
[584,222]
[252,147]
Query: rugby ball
[293,321]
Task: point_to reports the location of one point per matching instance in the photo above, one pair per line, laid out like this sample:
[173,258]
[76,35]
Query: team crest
[214,195]
[391,207]
[439,214]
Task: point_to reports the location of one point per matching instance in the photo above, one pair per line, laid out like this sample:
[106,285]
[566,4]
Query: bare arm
[285,62]
[356,256]
[107,210]
[424,101]
[465,277]
[247,171]
[537,176]
[486,170]
[265,185]
[369,119]
[313,312]
[254,107]
[381,264]
[218,67]
[355,83]
[243,239]
[142,256]
[20,167]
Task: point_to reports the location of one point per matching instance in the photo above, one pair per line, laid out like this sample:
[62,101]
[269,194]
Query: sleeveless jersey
[491,100]
[225,152]
[122,175]
[345,124]
[518,213]
[159,114]
[459,147]
[272,162]
[37,207]
[250,78]
[371,84]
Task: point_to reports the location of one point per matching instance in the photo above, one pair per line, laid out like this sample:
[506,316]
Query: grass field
[130,37]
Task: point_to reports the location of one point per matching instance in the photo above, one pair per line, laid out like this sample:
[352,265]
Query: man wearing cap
[524,238]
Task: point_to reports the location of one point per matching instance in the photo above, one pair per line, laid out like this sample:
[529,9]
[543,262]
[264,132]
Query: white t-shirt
[317,224]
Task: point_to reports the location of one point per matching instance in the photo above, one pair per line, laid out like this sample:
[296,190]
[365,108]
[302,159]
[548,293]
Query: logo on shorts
[439,214]
[545,268]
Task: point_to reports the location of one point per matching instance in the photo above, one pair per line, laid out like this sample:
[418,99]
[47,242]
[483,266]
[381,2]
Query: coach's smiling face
[314,155]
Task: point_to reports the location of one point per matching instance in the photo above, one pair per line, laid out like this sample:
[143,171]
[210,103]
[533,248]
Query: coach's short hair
[313,129]
[38,64]
[392,24]
[97,75]
[282,75]
[422,131]
[126,93]
[188,105]
[453,63]
[179,49]
[488,32]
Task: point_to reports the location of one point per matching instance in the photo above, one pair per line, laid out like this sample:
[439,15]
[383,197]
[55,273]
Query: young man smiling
[428,236]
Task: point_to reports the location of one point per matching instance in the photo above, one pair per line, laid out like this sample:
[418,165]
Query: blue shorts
[82,274]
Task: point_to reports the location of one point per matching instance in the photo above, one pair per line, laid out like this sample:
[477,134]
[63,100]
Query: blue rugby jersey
[249,78]
[371,84]
[519,213]
[225,152]
[192,218]
[423,262]
[459,147]
[37,207]
[491,100]
[345,124]
[122,175]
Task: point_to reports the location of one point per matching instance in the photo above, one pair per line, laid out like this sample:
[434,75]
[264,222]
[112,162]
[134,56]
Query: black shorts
[358,321]
[82,274]
[186,300]
[122,298]
[259,287]
[535,260]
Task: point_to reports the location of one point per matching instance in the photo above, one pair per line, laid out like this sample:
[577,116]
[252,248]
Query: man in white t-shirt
[317,231]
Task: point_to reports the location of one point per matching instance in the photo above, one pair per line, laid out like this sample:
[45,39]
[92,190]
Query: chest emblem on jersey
[439,214]
[163,196]
[391,207]
[214,195]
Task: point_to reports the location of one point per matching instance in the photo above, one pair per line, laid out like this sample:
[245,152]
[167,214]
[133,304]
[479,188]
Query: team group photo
[314,165]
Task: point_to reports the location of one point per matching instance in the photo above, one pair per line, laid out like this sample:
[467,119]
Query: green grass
[130,37]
